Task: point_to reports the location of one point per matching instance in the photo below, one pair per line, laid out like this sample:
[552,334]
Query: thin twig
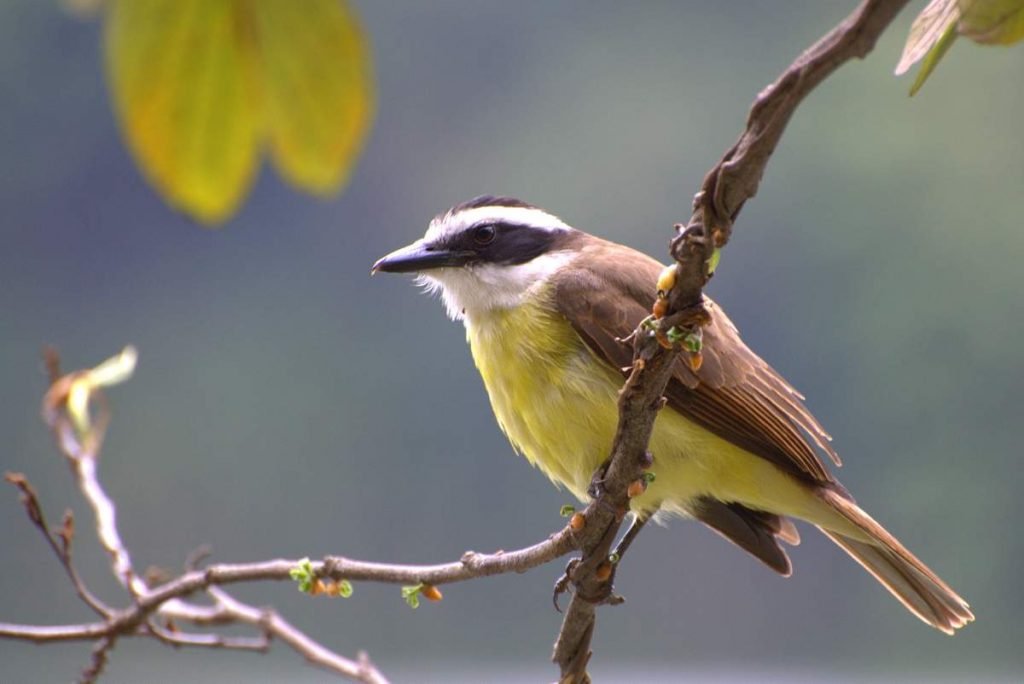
[168,603]
[277,627]
[42,634]
[59,542]
[472,565]
[80,443]
[177,638]
[100,655]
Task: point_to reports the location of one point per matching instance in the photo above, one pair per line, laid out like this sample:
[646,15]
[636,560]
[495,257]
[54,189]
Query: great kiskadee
[545,305]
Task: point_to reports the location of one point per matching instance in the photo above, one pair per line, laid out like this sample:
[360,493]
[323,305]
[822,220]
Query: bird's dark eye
[484,235]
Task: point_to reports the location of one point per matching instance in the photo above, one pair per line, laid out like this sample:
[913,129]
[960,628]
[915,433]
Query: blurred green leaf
[716,258]
[675,334]
[934,56]
[989,22]
[411,594]
[303,574]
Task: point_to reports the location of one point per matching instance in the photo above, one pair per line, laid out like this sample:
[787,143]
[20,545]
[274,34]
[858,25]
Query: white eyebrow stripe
[450,224]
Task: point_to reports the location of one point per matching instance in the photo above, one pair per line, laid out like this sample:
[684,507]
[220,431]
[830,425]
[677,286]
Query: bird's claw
[562,584]
[605,594]
[596,488]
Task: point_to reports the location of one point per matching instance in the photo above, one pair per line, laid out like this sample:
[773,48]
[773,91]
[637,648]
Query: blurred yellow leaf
[991,22]
[319,89]
[84,384]
[186,99]
[201,87]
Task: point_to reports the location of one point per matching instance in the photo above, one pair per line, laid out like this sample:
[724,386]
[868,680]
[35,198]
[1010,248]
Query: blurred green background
[287,404]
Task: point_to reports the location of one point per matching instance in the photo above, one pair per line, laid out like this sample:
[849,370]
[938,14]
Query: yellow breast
[555,405]
[556,402]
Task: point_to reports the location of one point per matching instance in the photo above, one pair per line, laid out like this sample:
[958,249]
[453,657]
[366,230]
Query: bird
[546,308]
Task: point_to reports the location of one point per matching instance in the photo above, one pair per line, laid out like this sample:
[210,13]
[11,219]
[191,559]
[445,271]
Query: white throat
[474,290]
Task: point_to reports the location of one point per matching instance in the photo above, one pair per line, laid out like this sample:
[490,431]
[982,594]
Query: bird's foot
[563,582]
[604,594]
[596,488]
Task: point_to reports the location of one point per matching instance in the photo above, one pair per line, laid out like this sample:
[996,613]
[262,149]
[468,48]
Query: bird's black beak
[420,256]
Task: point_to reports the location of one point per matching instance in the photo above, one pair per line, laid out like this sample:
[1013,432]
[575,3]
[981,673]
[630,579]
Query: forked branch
[77,413]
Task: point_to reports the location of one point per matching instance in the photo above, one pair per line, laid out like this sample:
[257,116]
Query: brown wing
[735,394]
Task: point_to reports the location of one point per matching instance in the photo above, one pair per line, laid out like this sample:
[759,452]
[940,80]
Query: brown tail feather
[909,580]
[754,531]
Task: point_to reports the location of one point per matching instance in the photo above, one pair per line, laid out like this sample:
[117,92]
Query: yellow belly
[556,402]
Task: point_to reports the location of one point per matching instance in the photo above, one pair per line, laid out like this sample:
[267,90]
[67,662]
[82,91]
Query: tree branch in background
[158,610]
[725,189]
[154,612]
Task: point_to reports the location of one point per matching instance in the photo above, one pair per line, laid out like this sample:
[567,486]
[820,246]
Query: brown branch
[472,565]
[736,178]
[725,189]
[639,402]
[177,638]
[42,634]
[157,611]
[59,542]
[279,628]
[100,655]
[167,600]
[68,409]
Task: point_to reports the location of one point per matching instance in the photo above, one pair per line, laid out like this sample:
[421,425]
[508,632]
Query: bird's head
[485,254]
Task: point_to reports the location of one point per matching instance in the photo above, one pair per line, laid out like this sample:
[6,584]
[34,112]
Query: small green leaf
[566,510]
[304,575]
[650,324]
[649,477]
[931,60]
[716,256]
[693,342]
[411,594]
[344,588]
[675,335]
